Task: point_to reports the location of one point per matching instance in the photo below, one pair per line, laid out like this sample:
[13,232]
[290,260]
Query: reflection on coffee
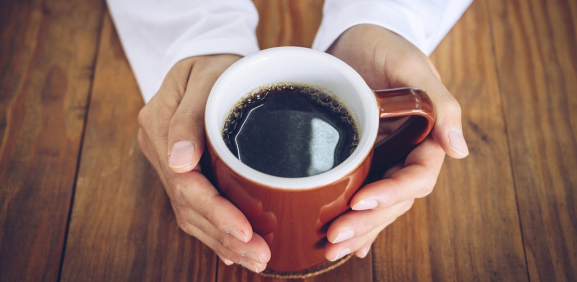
[290,130]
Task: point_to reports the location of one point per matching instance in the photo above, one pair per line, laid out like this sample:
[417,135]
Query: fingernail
[181,154]
[365,205]
[458,141]
[227,261]
[236,233]
[248,265]
[342,253]
[251,255]
[344,235]
[365,252]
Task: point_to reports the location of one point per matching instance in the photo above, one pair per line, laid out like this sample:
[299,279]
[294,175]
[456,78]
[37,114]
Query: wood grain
[288,23]
[506,213]
[122,226]
[354,270]
[535,45]
[47,51]
[467,229]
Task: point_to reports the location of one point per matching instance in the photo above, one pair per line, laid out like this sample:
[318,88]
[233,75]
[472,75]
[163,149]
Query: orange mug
[293,214]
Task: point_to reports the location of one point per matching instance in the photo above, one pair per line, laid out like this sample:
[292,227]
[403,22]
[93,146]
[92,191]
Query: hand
[386,60]
[172,137]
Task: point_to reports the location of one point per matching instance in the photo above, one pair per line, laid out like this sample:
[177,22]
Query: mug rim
[213,127]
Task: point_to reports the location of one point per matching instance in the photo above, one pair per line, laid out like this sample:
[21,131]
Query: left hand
[386,60]
[171,136]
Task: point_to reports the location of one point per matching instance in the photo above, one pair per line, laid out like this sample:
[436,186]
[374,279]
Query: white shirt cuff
[424,23]
[157,35]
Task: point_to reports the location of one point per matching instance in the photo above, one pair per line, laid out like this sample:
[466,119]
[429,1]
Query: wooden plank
[47,51]
[288,23]
[122,226]
[468,228]
[294,23]
[536,52]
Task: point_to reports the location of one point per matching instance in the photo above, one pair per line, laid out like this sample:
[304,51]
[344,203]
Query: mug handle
[401,102]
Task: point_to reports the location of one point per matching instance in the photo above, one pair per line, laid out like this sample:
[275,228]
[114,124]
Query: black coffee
[290,130]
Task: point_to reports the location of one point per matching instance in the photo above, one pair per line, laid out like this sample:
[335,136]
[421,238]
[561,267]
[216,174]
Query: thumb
[448,130]
[186,133]
[186,130]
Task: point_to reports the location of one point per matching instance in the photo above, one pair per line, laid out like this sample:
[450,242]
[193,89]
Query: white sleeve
[156,34]
[422,22]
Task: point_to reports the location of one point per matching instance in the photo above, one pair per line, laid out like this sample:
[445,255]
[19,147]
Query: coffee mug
[293,214]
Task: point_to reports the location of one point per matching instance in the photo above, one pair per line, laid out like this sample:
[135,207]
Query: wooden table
[79,202]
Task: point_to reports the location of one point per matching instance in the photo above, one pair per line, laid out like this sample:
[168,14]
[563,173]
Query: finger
[364,250]
[192,190]
[337,251]
[225,260]
[221,250]
[416,180]
[448,129]
[354,224]
[186,130]
[256,250]
[410,67]
[154,118]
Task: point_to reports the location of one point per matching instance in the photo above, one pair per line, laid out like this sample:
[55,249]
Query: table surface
[79,202]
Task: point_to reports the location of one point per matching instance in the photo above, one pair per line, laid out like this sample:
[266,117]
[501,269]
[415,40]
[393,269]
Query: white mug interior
[294,65]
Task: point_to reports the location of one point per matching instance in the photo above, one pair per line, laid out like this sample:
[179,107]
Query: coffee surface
[290,130]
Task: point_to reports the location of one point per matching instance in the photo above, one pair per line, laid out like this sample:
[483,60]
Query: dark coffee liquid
[290,131]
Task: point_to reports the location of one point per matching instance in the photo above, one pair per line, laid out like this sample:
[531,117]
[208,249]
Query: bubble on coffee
[290,130]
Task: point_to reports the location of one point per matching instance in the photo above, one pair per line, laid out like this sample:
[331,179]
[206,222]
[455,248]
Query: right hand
[386,60]
[172,137]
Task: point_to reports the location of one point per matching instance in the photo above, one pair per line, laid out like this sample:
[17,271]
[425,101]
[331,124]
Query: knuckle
[220,249]
[221,239]
[184,226]
[224,241]
[181,224]
[144,115]
[179,192]
[170,98]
